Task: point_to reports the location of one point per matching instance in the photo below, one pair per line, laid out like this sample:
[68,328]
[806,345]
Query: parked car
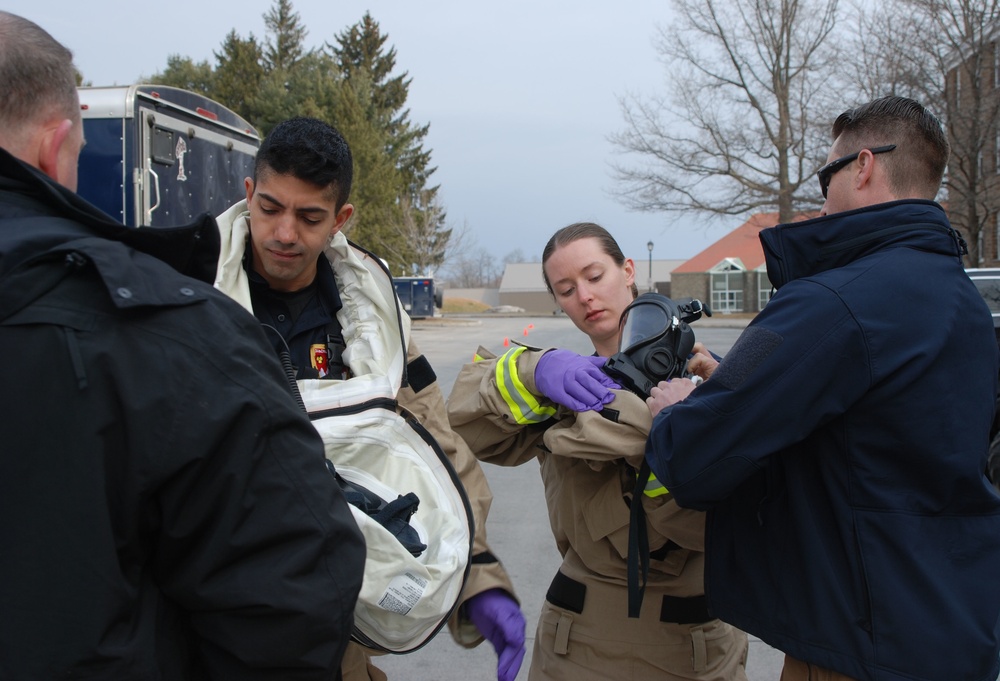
[987,280]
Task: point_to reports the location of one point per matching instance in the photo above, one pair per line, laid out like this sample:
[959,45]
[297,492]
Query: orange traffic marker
[506,342]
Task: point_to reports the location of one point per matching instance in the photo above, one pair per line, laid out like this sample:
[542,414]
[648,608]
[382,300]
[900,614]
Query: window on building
[996,66]
[727,287]
[996,237]
[764,289]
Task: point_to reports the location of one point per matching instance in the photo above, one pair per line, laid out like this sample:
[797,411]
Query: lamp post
[649,245]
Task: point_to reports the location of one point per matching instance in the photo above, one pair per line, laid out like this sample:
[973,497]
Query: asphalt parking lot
[518,525]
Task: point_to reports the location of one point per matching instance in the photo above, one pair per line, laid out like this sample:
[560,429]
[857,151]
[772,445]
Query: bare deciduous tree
[474,269]
[887,58]
[460,242]
[968,32]
[419,237]
[943,53]
[747,126]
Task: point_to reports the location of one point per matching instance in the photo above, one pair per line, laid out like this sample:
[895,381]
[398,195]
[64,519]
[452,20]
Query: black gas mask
[655,341]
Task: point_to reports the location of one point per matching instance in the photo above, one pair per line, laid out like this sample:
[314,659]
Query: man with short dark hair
[165,507]
[840,446]
[331,309]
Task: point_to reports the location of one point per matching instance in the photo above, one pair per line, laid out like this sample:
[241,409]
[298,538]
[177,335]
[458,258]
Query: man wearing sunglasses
[840,446]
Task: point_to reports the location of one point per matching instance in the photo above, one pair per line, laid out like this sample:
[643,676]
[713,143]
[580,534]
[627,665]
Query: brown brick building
[729,276]
[972,122]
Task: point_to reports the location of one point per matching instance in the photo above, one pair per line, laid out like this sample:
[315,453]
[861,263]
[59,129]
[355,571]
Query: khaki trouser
[357,665]
[797,670]
[603,643]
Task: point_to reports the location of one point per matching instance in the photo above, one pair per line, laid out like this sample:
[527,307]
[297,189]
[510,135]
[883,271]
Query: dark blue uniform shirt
[303,323]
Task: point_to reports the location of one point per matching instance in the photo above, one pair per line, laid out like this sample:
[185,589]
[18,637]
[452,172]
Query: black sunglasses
[826,172]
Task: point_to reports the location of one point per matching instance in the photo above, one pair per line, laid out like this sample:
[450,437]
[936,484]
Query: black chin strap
[638,544]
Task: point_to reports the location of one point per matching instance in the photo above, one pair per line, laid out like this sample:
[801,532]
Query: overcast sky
[520,96]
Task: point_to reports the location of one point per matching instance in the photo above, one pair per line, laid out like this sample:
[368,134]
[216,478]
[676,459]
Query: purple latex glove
[574,381]
[499,619]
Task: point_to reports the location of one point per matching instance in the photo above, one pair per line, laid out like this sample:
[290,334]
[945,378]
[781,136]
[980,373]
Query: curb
[476,320]
[435,322]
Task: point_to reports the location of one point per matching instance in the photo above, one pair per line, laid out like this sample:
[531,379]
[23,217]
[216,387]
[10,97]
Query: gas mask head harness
[655,341]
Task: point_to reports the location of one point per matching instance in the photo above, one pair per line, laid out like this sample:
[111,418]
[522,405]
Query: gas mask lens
[642,322]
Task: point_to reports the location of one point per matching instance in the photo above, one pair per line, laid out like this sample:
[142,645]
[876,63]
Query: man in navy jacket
[840,446]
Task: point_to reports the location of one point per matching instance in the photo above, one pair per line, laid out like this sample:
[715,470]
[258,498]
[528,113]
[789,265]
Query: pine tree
[366,66]
[184,73]
[286,45]
[270,81]
[310,88]
[361,50]
[352,86]
[239,71]
[376,179]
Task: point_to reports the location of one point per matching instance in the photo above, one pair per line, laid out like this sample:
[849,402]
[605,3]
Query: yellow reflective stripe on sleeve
[523,405]
[654,488]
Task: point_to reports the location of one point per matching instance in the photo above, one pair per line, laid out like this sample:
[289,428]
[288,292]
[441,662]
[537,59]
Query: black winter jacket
[165,511]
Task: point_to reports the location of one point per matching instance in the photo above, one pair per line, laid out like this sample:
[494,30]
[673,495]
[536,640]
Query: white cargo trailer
[159,156]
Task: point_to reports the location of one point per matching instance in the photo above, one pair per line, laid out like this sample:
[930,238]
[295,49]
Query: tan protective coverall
[427,406]
[589,463]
